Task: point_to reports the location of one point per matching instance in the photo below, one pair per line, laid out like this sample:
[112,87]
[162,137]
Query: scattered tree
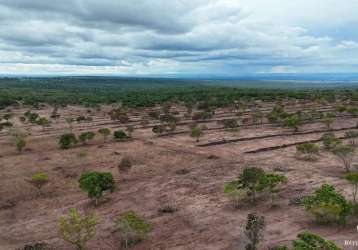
[76,230]
[326,205]
[132,228]
[95,183]
[271,183]
[254,226]
[345,153]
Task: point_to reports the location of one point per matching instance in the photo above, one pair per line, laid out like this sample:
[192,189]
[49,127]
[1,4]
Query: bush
[39,180]
[352,138]
[95,183]
[292,121]
[326,205]
[158,129]
[196,133]
[105,132]
[271,183]
[345,153]
[86,136]
[308,150]
[120,135]
[77,230]
[67,140]
[353,180]
[125,164]
[309,241]
[330,140]
[132,228]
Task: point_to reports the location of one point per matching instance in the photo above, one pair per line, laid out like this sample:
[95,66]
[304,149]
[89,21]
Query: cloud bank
[181,37]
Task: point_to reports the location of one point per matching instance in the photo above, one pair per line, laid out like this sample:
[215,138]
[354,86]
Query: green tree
[158,129]
[85,137]
[105,132]
[253,230]
[196,133]
[95,183]
[76,230]
[67,140]
[249,178]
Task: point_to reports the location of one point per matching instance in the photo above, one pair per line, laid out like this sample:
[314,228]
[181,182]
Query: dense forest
[137,92]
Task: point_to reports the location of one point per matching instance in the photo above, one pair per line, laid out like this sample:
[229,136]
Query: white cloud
[178,36]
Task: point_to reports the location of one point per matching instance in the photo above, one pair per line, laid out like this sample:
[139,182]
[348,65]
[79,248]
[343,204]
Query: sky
[178,37]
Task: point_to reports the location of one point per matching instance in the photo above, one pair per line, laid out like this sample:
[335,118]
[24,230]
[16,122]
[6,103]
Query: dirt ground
[206,218]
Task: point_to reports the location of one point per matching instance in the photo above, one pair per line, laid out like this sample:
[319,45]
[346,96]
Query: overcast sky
[202,37]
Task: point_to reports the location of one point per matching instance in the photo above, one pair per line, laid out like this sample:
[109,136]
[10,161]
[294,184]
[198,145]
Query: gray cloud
[178,36]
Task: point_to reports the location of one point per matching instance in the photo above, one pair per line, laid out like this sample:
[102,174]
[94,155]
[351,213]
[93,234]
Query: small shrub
[120,135]
[196,133]
[105,132]
[39,180]
[253,230]
[326,205]
[132,228]
[293,121]
[76,230]
[308,150]
[95,183]
[330,141]
[158,129]
[67,140]
[125,164]
[352,138]
[352,178]
[84,137]
[271,183]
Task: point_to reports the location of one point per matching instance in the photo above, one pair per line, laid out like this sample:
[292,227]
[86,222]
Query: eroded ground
[206,218]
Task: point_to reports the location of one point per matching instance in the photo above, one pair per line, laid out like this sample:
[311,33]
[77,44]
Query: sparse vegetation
[77,230]
[308,150]
[132,228]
